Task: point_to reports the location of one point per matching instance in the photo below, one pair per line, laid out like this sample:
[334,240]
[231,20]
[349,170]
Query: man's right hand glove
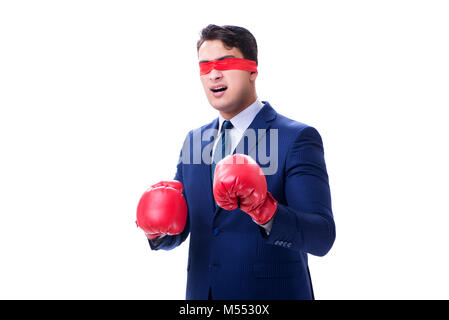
[162,209]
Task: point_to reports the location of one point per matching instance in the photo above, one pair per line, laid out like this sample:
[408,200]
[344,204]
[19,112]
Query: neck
[228,115]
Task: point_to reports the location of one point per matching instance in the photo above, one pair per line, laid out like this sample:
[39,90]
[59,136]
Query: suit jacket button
[216,231]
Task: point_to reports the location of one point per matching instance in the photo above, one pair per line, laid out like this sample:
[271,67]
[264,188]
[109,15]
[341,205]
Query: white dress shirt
[240,123]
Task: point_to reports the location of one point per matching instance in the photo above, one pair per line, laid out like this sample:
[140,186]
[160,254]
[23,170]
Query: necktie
[223,147]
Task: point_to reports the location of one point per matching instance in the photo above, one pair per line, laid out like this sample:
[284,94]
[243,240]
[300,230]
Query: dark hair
[232,37]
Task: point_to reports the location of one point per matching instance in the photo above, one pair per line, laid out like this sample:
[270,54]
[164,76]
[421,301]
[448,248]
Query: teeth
[219,88]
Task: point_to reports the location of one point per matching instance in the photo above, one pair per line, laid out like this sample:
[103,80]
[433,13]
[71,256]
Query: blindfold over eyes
[228,64]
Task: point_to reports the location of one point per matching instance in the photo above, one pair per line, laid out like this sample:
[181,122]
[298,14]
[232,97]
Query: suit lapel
[207,138]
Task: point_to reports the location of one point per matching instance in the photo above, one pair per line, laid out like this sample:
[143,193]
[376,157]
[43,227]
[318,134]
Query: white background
[96,98]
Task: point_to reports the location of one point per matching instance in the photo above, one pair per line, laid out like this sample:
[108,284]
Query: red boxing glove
[239,181]
[162,209]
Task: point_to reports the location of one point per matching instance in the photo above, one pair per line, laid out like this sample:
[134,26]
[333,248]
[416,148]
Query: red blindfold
[228,64]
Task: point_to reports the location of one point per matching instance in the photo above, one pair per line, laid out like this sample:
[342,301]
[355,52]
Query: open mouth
[220,89]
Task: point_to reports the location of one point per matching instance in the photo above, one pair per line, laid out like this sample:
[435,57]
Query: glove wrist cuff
[264,213]
[153,236]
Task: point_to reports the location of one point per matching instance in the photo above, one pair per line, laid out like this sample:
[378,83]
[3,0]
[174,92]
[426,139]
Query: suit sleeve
[170,242]
[305,222]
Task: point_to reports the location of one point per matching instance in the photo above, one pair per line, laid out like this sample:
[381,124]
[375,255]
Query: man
[251,222]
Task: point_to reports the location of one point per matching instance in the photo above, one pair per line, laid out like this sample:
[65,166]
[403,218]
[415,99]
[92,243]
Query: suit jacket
[228,251]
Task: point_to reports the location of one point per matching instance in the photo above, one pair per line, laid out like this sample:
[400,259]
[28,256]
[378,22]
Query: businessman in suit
[251,187]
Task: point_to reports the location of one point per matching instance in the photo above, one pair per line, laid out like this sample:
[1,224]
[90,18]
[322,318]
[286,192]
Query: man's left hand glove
[240,182]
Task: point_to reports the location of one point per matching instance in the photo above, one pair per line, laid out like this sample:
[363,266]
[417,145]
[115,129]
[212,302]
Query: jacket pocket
[277,270]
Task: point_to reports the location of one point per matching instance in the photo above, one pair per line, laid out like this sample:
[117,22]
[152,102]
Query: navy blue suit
[232,255]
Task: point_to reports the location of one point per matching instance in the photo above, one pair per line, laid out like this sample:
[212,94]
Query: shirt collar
[242,120]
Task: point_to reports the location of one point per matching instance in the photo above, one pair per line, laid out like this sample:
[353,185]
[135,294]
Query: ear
[253,75]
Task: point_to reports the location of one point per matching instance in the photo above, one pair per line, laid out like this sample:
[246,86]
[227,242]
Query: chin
[220,105]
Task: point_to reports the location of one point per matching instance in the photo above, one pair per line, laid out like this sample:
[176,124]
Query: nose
[215,74]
